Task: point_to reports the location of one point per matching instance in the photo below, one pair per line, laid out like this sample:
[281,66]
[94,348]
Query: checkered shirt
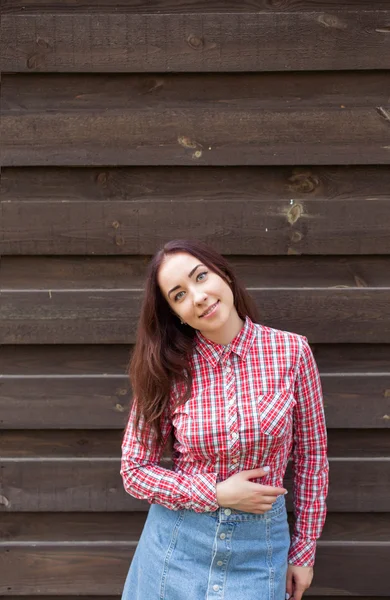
[256,401]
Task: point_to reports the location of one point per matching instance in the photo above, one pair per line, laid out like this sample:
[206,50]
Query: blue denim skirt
[223,555]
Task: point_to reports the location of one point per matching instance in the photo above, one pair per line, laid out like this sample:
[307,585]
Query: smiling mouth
[209,310]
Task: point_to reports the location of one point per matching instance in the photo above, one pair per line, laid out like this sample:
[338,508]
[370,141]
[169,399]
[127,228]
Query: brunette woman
[239,399]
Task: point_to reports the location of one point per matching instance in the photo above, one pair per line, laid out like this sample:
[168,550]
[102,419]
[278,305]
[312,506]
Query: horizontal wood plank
[254,138]
[78,93]
[102,570]
[71,121]
[126,527]
[105,443]
[335,359]
[112,272]
[100,360]
[200,42]
[241,210]
[355,400]
[183,6]
[94,485]
[111,317]
[63,402]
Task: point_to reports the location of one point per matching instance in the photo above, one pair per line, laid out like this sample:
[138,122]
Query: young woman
[238,398]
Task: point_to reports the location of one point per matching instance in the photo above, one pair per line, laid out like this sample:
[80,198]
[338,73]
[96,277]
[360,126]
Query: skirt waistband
[231,514]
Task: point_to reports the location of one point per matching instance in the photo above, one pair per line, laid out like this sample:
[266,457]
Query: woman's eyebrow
[190,274]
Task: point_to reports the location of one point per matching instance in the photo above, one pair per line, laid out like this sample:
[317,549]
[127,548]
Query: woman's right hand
[240,493]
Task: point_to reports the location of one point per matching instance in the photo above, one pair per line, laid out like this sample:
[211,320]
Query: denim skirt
[223,555]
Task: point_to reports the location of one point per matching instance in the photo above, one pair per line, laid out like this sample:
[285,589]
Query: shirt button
[235,460]
[234,435]
[222,536]
[227,511]
[220,563]
[215,588]
[231,401]
[228,369]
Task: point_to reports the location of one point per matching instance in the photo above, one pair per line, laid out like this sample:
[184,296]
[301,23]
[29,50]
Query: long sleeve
[144,479]
[310,462]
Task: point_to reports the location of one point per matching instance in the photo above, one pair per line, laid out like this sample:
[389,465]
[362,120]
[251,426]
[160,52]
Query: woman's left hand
[298,580]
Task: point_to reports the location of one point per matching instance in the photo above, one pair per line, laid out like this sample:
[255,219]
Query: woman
[239,399]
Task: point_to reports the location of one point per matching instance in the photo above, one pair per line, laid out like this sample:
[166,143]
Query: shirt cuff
[302,552]
[204,492]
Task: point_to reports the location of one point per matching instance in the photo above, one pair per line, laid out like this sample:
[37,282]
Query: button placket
[218,569]
[232,421]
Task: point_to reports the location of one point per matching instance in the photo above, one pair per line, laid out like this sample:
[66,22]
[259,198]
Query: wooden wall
[260,126]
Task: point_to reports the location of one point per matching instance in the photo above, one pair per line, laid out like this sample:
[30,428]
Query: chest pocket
[276,412]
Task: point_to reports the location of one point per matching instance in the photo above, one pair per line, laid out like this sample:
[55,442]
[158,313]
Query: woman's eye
[200,274]
[178,297]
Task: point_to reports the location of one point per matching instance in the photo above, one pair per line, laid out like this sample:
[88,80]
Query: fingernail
[284,495]
[287,596]
[266,469]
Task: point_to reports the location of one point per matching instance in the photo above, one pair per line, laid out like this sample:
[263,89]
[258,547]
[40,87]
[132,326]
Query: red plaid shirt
[255,402]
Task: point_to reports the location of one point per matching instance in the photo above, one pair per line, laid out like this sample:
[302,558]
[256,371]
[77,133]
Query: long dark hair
[163,345]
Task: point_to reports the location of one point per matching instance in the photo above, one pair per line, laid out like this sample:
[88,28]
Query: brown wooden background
[260,126]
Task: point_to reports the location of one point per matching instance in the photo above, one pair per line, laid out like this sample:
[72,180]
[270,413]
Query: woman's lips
[211,310]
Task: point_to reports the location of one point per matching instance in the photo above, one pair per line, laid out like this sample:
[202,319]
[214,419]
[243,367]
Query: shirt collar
[240,344]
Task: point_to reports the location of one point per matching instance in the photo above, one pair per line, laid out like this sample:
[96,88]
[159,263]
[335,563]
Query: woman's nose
[200,297]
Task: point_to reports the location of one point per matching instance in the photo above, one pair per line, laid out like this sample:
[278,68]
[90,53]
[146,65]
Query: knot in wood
[296,236]
[294,213]
[102,178]
[195,42]
[304,182]
[332,21]
[186,142]
[42,43]
[34,61]
[4,502]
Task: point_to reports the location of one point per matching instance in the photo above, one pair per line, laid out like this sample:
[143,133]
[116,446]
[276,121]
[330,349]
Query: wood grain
[335,359]
[270,119]
[94,485]
[228,41]
[110,317]
[239,211]
[76,273]
[105,443]
[185,6]
[102,569]
[127,527]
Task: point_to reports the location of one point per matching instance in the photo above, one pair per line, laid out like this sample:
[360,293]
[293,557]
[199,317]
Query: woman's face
[199,297]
